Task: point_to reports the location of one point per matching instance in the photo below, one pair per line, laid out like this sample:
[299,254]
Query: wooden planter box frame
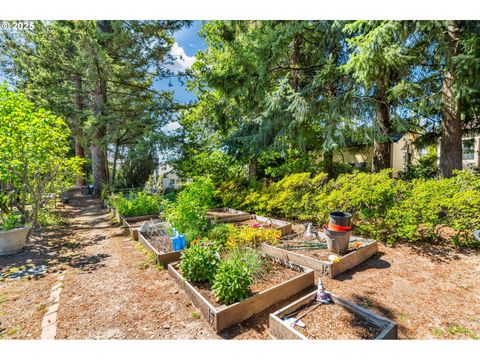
[162,258]
[233,215]
[224,316]
[284,226]
[133,230]
[323,267]
[278,329]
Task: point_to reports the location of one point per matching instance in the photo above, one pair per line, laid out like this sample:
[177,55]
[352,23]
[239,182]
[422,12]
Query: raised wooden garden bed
[251,219]
[163,252]
[341,319]
[132,224]
[218,214]
[221,317]
[317,260]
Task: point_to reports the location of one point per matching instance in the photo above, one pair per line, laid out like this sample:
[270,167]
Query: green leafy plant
[188,214]
[9,221]
[34,161]
[236,274]
[138,204]
[200,261]
[219,233]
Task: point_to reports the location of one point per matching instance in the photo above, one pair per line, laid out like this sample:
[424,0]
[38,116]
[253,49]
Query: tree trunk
[328,164]
[450,152]
[80,152]
[99,155]
[252,169]
[382,148]
[114,165]
[79,104]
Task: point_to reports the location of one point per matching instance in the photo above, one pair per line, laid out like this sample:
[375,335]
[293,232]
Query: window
[171,183]
[468,149]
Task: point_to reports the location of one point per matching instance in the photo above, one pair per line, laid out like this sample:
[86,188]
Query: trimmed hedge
[383,207]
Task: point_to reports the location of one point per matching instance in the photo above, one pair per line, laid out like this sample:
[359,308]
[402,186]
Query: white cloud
[181,61]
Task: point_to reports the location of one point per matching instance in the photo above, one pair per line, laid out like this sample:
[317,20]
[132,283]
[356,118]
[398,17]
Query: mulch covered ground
[334,322]
[113,291]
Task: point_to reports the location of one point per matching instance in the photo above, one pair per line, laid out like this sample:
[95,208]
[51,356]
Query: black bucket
[340,218]
[337,241]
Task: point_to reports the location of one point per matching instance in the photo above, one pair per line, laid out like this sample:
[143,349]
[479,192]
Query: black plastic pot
[340,218]
[337,241]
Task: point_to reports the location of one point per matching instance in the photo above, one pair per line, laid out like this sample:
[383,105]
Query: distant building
[403,150]
[170,178]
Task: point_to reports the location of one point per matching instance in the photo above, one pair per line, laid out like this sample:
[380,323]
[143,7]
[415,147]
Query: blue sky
[187,44]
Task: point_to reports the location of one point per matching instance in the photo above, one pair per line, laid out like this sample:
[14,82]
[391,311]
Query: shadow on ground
[59,247]
[375,262]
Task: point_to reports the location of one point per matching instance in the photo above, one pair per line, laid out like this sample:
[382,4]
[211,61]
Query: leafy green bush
[200,262]
[252,237]
[426,168]
[232,282]
[138,204]
[219,233]
[383,207]
[188,214]
[236,274]
[9,221]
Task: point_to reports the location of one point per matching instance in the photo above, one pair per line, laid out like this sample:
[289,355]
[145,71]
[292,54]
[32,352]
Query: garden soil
[112,291]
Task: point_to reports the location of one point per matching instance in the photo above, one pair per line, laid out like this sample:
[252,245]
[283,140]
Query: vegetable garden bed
[340,319]
[161,246]
[132,224]
[252,219]
[317,259]
[222,214]
[290,280]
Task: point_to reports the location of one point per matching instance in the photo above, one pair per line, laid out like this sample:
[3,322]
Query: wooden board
[322,267]
[225,316]
[218,214]
[162,258]
[284,226]
[278,329]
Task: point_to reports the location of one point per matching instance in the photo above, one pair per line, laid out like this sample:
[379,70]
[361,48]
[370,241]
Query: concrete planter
[13,241]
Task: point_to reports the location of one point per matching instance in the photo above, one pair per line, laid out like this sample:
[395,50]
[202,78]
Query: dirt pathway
[114,292]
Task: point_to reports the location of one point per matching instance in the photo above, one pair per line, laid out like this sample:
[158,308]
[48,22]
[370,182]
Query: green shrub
[189,212]
[252,237]
[219,233]
[200,261]
[138,204]
[232,282]
[383,207]
[426,168]
[236,274]
[9,221]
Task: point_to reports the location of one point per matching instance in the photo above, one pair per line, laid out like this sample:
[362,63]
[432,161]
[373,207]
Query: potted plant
[13,234]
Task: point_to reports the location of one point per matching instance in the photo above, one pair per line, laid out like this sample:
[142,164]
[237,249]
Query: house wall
[475,162]
[171,180]
[398,154]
